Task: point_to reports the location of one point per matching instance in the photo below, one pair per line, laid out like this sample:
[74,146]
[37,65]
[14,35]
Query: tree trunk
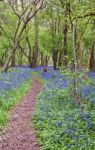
[36,47]
[14,47]
[59,60]
[46,61]
[42,59]
[13,61]
[30,52]
[21,59]
[65,54]
[75,57]
[81,55]
[5,67]
[65,39]
[55,57]
[92,58]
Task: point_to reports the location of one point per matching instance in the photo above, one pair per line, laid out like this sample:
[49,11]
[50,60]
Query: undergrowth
[60,122]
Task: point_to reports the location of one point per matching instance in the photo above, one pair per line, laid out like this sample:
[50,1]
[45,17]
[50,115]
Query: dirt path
[19,136]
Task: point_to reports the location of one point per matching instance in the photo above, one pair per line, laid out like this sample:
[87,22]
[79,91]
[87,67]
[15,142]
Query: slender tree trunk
[65,37]
[30,52]
[36,47]
[42,59]
[21,59]
[92,58]
[5,67]
[81,55]
[14,47]
[54,45]
[55,57]
[75,57]
[59,59]
[13,60]
[65,54]
[46,61]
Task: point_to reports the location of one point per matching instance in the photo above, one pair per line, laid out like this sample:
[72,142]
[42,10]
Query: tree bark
[36,45]
[75,57]
[42,59]
[92,58]
[55,57]
[13,60]
[65,54]
[5,67]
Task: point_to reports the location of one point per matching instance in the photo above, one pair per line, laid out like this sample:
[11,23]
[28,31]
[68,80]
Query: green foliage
[9,100]
[45,42]
[60,121]
[52,19]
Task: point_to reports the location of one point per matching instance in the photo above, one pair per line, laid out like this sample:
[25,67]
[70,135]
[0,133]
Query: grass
[13,85]
[9,100]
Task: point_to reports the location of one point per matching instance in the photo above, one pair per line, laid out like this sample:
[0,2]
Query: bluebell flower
[88,125]
[68,145]
[58,124]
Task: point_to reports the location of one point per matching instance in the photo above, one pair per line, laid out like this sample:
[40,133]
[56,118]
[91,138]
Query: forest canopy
[42,32]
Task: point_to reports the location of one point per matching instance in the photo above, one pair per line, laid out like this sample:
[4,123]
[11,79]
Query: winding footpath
[19,135]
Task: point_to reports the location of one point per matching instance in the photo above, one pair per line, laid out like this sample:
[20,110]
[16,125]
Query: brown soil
[19,135]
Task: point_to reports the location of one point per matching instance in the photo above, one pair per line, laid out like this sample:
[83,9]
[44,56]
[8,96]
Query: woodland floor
[19,135]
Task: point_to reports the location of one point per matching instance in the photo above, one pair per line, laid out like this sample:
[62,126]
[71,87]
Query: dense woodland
[47,52]
[46,32]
